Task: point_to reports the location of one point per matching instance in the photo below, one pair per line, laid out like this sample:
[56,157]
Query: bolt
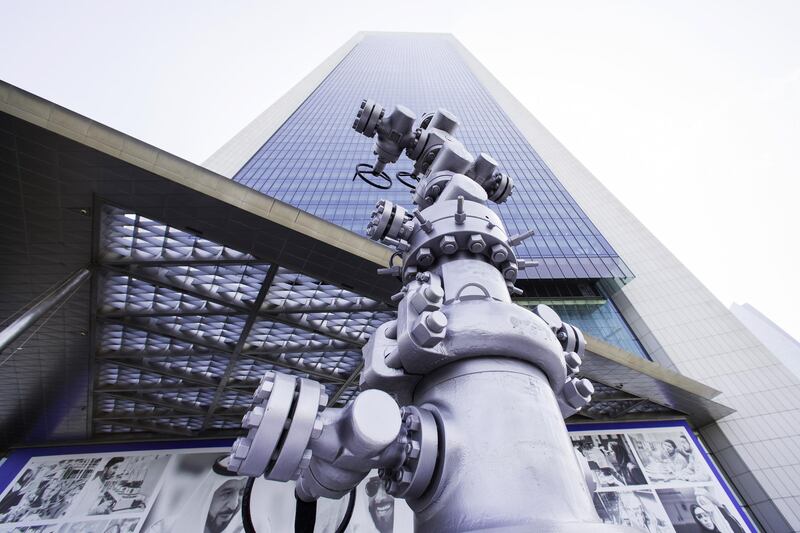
[433,293]
[572,360]
[318,427]
[363,103]
[323,400]
[584,387]
[412,449]
[448,244]
[425,256]
[562,336]
[403,475]
[305,460]
[436,321]
[240,448]
[409,273]
[499,253]
[412,422]
[253,417]
[263,391]
[509,271]
[476,244]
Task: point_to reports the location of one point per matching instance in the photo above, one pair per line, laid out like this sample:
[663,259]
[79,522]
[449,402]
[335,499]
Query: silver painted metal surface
[40,308]
[485,384]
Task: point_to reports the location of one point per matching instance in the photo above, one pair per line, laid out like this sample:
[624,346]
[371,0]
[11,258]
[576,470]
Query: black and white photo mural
[657,477]
[654,476]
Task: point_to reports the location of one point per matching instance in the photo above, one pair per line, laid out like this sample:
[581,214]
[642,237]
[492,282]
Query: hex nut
[319,425]
[240,448]
[263,391]
[434,293]
[252,418]
[510,271]
[448,245]
[425,256]
[572,360]
[575,392]
[305,459]
[476,244]
[411,422]
[412,449]
[436,321]
[422,333]
[585,388]
[499,253]
[420,302]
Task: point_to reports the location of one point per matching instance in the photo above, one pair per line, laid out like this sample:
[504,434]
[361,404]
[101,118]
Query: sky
[689,112]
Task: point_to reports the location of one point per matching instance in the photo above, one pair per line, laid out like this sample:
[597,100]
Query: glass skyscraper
[599,266]
[310,160]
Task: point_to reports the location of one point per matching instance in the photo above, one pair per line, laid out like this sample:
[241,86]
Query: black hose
[348,514]
[221,470]
[305,516]
[247,519]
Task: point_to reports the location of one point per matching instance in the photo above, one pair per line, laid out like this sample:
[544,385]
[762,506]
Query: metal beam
[347,383]
[305,370]
[205,382]
[110,417]
[166,284]
[277,317]
[47,302]
[219,347]
[633,405]
[266,313]
[237,350]
[147,387]
[157,402]
[153,428]
[187,262]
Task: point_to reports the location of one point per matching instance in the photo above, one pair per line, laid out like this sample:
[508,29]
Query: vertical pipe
[50,300]
[507,462]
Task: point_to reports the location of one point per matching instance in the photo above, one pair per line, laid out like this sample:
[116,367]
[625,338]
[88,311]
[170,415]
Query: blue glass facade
[604,322]
[309,162]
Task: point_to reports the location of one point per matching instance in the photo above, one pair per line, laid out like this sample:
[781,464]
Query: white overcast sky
[688,111]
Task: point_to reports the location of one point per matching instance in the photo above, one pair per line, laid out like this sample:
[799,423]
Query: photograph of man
[639,509]
[122,484]
[610,459]
[669,456]
[701,509]
[380,504]
[214,506]
[17,492]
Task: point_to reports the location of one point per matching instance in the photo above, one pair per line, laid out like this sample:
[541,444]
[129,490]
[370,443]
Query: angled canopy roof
[199,285]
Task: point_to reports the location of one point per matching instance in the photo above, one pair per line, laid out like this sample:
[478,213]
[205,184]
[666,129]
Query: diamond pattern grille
[186,328]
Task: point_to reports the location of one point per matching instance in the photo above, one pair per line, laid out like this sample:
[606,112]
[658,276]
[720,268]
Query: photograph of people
[701,509]
[380,504]
[669,456]
[213,507]
[610,460]
[639,509]
[374,510]
[101,526]
[123,484]
[46,489]
[17,492]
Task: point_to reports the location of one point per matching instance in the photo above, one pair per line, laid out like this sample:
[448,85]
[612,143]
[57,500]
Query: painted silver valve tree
[464,395]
